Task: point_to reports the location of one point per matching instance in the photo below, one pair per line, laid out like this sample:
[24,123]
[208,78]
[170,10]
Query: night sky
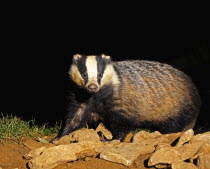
[35,82]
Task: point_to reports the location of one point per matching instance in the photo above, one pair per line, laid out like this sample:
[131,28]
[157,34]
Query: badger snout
[92,88]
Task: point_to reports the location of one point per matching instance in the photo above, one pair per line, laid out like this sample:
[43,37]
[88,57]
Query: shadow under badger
[126,95]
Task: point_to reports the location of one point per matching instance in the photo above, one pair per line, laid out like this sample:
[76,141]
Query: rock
[162,145]
[205,137]
[86,153]
[173,136]
[187,151]
[185,137]
[169,155]
[204,161]
[79,135]
[139,163]
[53,156]
[166,155]
[125,153]
[106,133]
[183,165]
[204,149]
[128,138]
[95,145]
[63,140]
[162,166]
[35,152]
[147,138]
[144,135]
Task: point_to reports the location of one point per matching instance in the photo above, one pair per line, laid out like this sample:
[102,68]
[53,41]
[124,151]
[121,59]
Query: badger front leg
[75,119]
[118,124]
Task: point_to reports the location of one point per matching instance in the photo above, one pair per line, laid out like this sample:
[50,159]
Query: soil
[12,157]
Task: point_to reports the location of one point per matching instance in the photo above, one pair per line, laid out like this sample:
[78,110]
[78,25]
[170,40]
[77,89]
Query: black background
[34,69]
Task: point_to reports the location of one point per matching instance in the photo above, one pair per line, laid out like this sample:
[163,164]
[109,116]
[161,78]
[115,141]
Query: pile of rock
[178,150]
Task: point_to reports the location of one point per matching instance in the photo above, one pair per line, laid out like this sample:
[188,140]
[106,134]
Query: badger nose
[92,88]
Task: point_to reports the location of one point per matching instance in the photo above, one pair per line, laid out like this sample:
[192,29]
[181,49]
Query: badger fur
[130,94]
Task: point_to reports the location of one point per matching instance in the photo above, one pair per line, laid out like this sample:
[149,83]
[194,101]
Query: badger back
[155,91]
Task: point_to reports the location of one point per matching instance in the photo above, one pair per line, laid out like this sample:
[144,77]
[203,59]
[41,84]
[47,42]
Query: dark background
[34,73]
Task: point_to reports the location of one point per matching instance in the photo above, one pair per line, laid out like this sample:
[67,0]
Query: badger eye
[100,75]
[84,75]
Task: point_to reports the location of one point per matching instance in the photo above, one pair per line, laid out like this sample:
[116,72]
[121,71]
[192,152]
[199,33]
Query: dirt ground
[12,157]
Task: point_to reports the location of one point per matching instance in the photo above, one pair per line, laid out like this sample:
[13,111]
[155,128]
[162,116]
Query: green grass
[12,127]
[140,129]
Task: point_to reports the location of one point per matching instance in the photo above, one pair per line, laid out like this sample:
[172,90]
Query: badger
[126,95]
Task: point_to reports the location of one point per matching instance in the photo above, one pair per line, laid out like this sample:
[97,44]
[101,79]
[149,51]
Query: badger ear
[107,58]
[76,57]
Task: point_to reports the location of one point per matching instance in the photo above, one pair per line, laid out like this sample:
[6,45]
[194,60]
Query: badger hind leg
[183,121]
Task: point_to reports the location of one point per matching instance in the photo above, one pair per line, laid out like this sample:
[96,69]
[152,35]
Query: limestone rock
[128,138]
[162,145]
[63,140]
[163,166]
[106,133]
[50,157]
[185,137]
[144,135]
[147,138]
[204,161]
[54,156]
[187,151]
[166,155]
[125,153]
[35,152]
[172,136]
[79,135]
[205,137]
[204,149]
[99,149]
[183,165]
[95,145]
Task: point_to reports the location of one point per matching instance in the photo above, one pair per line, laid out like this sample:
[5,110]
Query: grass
[12,127]
[140,129]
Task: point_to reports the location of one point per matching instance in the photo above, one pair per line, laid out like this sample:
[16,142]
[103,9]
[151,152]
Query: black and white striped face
[91,72]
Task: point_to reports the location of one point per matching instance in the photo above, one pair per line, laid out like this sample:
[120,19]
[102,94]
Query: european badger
[130,94]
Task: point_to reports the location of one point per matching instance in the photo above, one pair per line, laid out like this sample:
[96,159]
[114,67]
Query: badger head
[92,72]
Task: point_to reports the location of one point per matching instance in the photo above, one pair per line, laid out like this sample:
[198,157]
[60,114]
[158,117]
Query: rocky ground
[83,149]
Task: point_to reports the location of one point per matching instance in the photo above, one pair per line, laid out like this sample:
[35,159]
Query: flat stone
[78,135]
[185,137]
[47,158]
[204,161]
[54,156]
[128,138]
[172,136]
[125,153]
[167,155]
[144,135]
[147,138]
[205,137]
[205,149]
[106,133]
[187,151]
[35,152]
[183,165]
